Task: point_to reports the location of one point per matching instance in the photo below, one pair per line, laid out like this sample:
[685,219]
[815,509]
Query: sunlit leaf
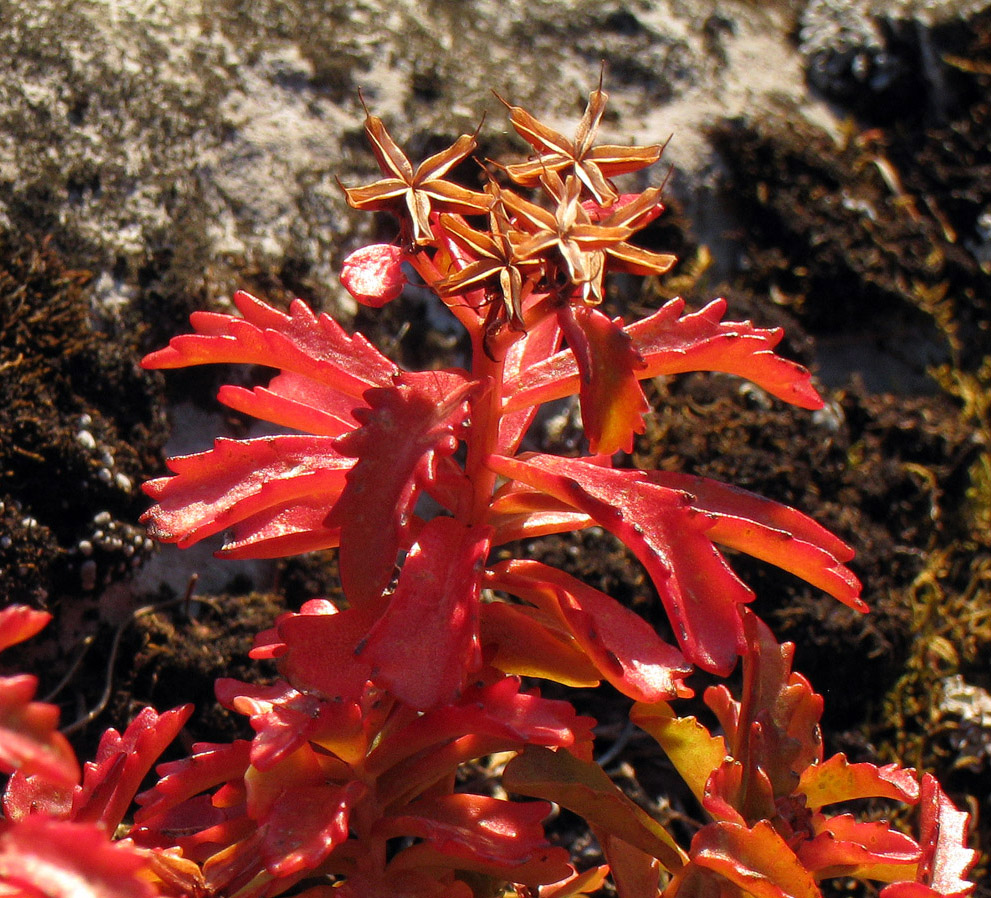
[584,787]
[670,343]
[292,400]
[519,511]
[20,622]
[283,718]
[41,857]
[404,429]
[541,340]
[836,779]
[29,739]
[756,859]
[624,648]
[498,710]
[946,859]
[477,832]
[238,480]
[122,760]
[843,846]
[207,767]
[772,532]
[530,643]
[612,402]
[700,593]
[320,649]
[314,346]
[694,752]
[436,598]
[584,883]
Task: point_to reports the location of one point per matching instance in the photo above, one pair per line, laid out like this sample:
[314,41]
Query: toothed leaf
[311,345]
[624,648]
[584,787]
[670,343]
[612,402]
[437,599]
[404,429]
[700,592]
[238,480]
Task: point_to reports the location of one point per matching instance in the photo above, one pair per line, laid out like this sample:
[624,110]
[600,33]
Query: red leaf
[738,794]
[437,599]
[518,511]
[398,883]
[313,346]
[481,833]
[546,866]
[625,649]
[209,766]
[29,739]
[28,794]
[584,883]
[306,821]
[284,719]
[292,400]
[111,780]
[20,622]
[669,344]
[757,860]
[497,710]
[612,402]
[276,532]
[403,431]
[540,341]
[700,592]
[946,859]
[41,857]
[691,748]
[634,872]
[373,275]
[836,779]
[843,846]
[771,532]
[528,642]
[239,480]
[702,341]
[774,730]
[585,788]
[320,649]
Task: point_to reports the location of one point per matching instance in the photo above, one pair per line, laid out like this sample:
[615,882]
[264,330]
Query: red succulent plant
[349,786]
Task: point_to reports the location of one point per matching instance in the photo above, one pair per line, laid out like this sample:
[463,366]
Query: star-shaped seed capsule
[416,191]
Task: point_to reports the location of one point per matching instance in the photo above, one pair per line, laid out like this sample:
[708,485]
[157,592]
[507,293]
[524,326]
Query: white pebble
[86,439]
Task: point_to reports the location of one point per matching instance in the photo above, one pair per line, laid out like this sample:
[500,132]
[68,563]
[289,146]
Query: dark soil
[80,427]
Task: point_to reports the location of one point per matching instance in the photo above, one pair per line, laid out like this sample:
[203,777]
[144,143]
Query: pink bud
[373,274]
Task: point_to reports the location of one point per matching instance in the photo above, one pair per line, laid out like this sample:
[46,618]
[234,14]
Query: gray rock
[185,142]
